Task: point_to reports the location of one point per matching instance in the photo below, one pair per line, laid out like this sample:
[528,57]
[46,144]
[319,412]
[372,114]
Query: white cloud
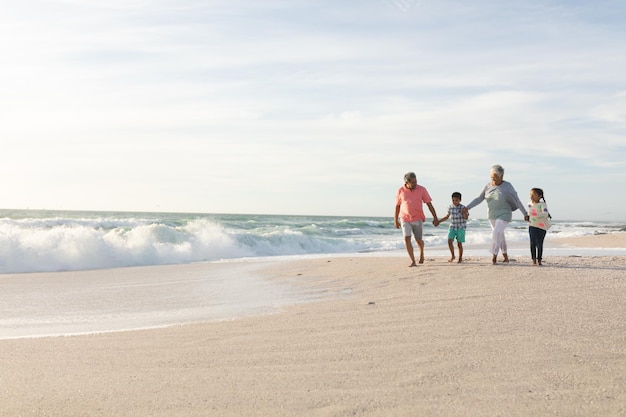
[309,107]
[613,110]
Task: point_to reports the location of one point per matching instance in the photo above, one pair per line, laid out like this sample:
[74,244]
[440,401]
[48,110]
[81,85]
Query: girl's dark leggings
[536,242]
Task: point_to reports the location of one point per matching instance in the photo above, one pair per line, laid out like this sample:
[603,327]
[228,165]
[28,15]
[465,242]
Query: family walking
[502,200]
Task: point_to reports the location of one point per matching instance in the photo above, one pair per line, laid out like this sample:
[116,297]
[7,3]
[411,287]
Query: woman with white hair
[502,200]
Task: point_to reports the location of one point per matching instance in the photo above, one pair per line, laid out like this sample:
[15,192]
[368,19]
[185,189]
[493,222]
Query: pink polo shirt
[411,203]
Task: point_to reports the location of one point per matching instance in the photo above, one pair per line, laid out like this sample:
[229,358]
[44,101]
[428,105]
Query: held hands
[527,218]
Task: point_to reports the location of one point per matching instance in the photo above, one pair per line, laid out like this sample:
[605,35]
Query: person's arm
[478,199]
[396,223]
[516,200]
[547,211]
[433,212]
[446,217]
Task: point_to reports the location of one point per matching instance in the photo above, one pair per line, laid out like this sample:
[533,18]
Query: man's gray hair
[497,169]
[409,176]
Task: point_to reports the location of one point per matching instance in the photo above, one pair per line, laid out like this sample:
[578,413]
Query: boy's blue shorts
[459,234]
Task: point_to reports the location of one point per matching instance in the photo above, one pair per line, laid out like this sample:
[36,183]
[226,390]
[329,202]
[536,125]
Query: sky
[310,107]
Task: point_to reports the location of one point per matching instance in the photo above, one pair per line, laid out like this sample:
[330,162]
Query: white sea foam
[71,303]
[114,299]
[57,241]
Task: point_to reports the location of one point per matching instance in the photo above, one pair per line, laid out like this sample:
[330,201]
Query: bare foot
[421,259]
[412,264]
[452,259]
[460,260]
[495,259]
[539,262]
[506,258]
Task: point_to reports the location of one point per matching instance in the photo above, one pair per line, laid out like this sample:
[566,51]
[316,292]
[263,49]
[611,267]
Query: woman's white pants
[498,242]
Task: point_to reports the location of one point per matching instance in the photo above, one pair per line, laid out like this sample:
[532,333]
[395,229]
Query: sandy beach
[381,339]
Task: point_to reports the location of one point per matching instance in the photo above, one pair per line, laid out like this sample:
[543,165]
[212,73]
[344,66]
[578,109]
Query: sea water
[98,301]
[67,272]
[38,241]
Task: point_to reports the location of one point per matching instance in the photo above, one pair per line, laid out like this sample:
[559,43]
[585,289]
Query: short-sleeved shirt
[411,203]
[457,220]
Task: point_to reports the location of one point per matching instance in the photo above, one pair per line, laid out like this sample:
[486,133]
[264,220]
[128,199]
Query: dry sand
[613,240]
[469,339]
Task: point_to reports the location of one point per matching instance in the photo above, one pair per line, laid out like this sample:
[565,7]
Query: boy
[458,222]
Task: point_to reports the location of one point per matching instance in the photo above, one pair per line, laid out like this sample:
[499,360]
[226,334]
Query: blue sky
[310,107]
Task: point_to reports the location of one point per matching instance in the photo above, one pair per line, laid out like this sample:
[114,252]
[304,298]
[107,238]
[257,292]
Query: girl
[539,223]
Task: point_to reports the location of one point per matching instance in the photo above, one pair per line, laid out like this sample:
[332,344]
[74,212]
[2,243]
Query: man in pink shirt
[409,202]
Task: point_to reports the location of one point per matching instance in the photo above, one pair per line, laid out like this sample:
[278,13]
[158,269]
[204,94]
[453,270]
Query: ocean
[85,288]
[47,241]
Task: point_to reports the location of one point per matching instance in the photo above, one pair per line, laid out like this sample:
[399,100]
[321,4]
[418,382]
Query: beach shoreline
[374,339]
[606,240]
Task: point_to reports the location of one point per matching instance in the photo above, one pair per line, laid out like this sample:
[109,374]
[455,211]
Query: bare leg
[451,246]
[409,249]
[460,252]
[506,258]
[420,243]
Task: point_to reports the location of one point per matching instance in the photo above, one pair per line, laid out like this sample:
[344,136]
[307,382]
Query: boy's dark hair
[456,194]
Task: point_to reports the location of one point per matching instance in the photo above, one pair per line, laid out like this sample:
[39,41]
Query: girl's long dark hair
[539,191]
